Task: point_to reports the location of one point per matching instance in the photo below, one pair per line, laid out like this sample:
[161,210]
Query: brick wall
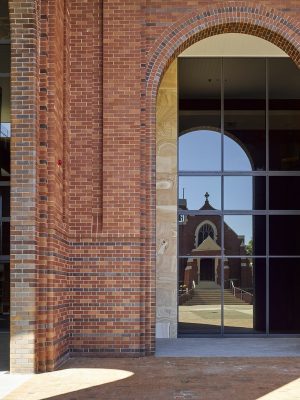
[84,83]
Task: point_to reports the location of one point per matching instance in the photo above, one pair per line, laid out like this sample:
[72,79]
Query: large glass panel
[284,295]
[4,296]
[4,20]
[244,235]
[284,120]
[4,238]
[200,151]
[244,193]
[244,295]
[201,192]
[199,295]
[199,235]
[199,93]
[244,114]
[4,201]
[284,235]
[284,192]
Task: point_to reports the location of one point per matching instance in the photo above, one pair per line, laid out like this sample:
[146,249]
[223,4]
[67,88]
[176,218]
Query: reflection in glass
[4,238]
[284,192]
[239,238]
[244,295]
[244,114]
[199,192]
[284,235]
[244,193]
[284,119]
[4,294]
[199,295]
[199,89]
[284,295]
[4,201]
[235,157]
[200,151]
[199,235]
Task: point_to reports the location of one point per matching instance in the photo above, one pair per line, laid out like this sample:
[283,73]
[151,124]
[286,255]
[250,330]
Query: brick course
[85,281]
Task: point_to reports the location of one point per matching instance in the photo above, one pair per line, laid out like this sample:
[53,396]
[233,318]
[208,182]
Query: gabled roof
[208,244]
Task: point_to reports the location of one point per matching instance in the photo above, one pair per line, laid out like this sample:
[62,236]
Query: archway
[169,92]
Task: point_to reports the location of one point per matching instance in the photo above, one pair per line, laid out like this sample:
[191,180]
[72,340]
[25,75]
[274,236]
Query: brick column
[24,103]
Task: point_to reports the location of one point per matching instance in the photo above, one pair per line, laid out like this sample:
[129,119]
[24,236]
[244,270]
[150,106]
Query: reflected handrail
[242,294]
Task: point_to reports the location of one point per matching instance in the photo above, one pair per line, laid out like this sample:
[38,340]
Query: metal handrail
[242,291]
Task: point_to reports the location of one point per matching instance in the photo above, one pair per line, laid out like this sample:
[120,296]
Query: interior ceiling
[199,78]
[233,45]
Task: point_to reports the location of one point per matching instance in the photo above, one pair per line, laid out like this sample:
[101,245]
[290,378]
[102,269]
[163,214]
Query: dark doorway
[207,270]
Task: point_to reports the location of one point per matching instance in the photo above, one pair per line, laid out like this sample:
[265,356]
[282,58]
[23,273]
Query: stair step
[209,293]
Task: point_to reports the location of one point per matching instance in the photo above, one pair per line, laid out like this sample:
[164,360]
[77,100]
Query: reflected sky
[201,151]
[5,129]
[241,224]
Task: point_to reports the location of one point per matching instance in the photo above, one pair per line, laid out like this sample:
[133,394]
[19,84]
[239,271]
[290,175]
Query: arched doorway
[245,97]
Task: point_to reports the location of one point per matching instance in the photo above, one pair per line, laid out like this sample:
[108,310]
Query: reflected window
[205,231]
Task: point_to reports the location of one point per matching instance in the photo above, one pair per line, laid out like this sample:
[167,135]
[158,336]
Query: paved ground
[229,347]
[167,379]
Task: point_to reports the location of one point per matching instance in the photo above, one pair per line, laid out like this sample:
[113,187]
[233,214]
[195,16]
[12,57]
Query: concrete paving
[228,347]
[157,378]
[200,368]
[10,382]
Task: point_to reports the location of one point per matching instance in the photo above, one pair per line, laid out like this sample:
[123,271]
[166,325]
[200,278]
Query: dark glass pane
[4,20]
[284,120]
[5,238]
[5,58]
[5,201]
[284,295]
[4,101]
[4,296]
[244,295]
[244,235]
[199,295]
[199,93]
[244,193]
[244,114]
[284,192]
[202,193]
[199,235]
[284,235]
[200,151]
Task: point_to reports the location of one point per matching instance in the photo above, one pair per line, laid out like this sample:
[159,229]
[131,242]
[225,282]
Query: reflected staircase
[209,293]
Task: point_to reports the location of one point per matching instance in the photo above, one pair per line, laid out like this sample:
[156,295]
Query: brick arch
[239,17]
[234,17]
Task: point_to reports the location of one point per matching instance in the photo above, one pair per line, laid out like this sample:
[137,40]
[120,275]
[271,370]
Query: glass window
[199,193]
[200,151]
[244,193]
[284,295]
[244,114]
[245,295]
[284,115]
[232,188]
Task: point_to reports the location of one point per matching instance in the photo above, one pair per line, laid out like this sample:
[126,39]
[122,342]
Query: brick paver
[166,379]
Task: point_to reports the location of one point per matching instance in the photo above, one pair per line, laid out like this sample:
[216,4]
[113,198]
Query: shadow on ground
[166,379]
